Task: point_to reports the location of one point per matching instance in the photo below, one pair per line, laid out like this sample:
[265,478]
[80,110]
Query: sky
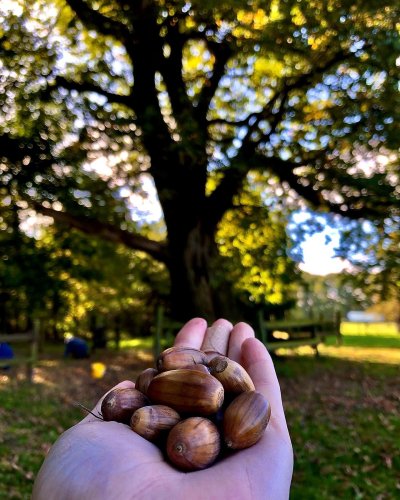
[318,255]
[318,249]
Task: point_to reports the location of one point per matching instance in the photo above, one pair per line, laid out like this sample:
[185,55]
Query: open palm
[105,460]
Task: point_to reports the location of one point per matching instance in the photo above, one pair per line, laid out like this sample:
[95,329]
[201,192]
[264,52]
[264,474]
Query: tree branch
[91,87]
[221,199]
[283,169]
[252,120]
[105,231]
[145,53]
[222,52]
[282,96]
[92,19]
[171,70]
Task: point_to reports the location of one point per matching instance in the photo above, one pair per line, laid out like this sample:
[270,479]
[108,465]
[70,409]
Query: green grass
[379,340]
[31,418]
[345,428]
[358,459]
[342,408]
[379,344]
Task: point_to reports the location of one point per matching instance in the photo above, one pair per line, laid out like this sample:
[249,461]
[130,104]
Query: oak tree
[97,94]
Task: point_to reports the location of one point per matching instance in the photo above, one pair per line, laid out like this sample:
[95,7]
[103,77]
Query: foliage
[97,94]
[74,283]
[255,245]
[29,276]
[330,294]
[374,253]
[389,309]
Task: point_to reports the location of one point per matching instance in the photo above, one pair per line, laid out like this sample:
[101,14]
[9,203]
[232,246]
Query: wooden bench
[29,359]
[289,334]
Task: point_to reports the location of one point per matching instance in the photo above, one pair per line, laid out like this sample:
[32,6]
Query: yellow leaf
[270,67]
[297,16]
[260,19]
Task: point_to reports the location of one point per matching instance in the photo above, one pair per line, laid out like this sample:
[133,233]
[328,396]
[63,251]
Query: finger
[258,363]
[192,333]
[239,334]
[217,337]
[97,409]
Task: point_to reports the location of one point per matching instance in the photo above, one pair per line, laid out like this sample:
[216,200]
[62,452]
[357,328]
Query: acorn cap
[232,375]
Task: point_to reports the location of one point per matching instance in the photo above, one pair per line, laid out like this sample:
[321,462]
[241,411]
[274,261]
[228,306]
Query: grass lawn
[343,411]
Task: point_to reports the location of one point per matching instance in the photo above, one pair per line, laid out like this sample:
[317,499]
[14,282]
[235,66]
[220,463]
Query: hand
[97,460]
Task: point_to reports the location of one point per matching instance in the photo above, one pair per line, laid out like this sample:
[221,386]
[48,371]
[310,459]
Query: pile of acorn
[192,405]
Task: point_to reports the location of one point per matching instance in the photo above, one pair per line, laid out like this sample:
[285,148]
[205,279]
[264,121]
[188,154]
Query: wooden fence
[274,334]
[289,334]
[30,358]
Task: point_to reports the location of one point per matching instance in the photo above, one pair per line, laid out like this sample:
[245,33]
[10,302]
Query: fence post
[338,320]
[34,349]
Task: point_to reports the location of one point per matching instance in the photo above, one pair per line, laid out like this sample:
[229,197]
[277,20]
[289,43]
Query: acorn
[232,375]
[199,368]
[211,355]
[245,420]
[180,357]
[151,422]
[187,391]
[193,444]
[120,404]
[143,381]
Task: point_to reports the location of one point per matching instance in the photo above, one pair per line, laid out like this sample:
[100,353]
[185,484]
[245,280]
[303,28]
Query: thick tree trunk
[190,263]
[196,278]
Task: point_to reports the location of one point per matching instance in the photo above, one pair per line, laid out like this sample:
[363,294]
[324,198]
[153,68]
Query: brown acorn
[151,422]
[232,375]
[180,357]
[193,444]
[120,404]
[199,368]
[211,355]
[143,381]
[245,420]
[187,391]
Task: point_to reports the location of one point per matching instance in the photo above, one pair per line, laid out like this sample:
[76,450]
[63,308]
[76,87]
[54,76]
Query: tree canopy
[97,94]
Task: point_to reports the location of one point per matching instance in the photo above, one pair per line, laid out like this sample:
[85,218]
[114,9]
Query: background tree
[375,258]
[74,283]
[301,91]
